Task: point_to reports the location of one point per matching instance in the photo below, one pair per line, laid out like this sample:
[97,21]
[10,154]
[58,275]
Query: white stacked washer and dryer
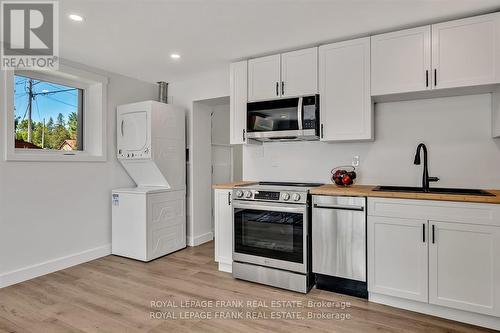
[149,221]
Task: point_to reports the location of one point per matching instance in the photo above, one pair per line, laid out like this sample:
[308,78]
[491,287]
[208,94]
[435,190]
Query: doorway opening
[213,161]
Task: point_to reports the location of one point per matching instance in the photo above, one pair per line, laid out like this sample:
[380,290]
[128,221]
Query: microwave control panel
[309,124]
[310,117]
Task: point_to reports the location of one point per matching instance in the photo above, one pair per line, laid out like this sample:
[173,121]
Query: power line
[27,107]
[53,85]
[52,92]
[55,99]
[37,108]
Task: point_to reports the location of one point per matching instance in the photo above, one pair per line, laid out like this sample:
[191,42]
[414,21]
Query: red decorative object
[344,175]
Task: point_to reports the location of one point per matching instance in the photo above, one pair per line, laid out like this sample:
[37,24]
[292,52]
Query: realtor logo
[30,35]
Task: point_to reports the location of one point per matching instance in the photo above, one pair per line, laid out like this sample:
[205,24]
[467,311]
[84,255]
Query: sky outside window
[53,104]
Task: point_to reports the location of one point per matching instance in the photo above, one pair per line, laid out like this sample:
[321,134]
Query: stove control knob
[239,194]
[248,194]
[296,197]
[286,196]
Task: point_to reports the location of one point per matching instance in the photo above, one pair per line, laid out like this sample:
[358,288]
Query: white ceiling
[136,38]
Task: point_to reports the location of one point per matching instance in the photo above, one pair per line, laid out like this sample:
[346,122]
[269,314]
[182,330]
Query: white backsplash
[456,130]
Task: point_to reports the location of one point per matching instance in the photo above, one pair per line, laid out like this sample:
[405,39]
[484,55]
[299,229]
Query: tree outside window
[47,115]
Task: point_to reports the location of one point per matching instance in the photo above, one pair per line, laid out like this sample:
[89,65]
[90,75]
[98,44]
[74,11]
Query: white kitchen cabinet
[464,267]
[264,78]
[223,213]
[397,257]
[466,52]
[238,82]
[458,263]
[283,75]
[299,72]
[344,86]
[453,54]
[401,61]
[495,113]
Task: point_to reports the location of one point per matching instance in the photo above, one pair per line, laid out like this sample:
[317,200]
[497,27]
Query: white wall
[220,124]
[199,228]
[208,85]
[456,130]
[221,135]
[54,210]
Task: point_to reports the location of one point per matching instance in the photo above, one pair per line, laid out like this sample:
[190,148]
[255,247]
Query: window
[47,115]
[66,109]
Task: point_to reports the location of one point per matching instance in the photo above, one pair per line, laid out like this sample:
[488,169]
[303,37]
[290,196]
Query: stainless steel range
[271,239]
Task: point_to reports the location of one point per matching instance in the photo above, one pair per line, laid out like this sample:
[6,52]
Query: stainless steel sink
[437,190]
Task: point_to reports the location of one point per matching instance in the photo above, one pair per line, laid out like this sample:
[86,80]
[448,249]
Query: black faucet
[425,176]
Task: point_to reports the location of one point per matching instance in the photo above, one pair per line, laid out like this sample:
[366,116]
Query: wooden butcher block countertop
[367,191]
[228,186]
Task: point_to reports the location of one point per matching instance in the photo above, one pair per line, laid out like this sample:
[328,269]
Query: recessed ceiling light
[175,56]
[76,18]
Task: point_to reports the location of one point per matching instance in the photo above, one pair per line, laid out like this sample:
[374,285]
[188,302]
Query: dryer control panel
[127,155]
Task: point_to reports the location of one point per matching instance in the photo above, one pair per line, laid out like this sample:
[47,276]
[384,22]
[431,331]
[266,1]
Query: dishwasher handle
[341,207]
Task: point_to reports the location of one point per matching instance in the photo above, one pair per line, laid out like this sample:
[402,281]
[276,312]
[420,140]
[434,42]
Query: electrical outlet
[355,161]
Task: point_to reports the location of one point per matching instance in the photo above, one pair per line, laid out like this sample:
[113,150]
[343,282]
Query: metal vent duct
[163,92]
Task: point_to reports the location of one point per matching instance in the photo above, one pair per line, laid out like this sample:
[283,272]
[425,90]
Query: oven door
[271,234]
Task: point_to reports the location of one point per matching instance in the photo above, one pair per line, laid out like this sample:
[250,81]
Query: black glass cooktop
[291,184]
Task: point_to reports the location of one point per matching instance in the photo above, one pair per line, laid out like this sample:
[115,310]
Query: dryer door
[133,133]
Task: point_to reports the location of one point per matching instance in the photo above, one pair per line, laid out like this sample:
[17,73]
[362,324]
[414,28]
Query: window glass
[47,115]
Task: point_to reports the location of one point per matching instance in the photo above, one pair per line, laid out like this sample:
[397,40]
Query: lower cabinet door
[223,215]
[464,267]
[397,257]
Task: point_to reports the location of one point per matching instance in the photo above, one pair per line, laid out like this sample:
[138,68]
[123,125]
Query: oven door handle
[286,208]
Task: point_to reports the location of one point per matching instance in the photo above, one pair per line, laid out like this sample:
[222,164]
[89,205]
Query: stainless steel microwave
[290,119]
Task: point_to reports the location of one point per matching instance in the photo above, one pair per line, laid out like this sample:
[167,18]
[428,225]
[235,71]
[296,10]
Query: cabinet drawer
[446,211]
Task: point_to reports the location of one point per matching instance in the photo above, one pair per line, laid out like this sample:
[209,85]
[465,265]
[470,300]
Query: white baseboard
[438,311]
[225,267]
[198,240]
[33,271]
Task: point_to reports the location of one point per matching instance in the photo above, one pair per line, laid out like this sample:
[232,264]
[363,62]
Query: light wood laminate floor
[114,294]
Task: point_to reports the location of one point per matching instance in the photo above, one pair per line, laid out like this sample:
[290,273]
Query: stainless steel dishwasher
[339,244]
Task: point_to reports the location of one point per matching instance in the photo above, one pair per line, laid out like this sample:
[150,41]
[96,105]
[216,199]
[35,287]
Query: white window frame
[94,115]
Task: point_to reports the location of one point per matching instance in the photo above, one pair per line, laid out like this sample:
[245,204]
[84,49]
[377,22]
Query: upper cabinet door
[264,80]
[466,52]
[238,102]
[401,61]
[344,86]
[299,73]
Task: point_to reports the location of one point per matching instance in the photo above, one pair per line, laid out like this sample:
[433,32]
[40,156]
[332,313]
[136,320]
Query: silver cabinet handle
[299,112]
[340,207]
[121,126]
